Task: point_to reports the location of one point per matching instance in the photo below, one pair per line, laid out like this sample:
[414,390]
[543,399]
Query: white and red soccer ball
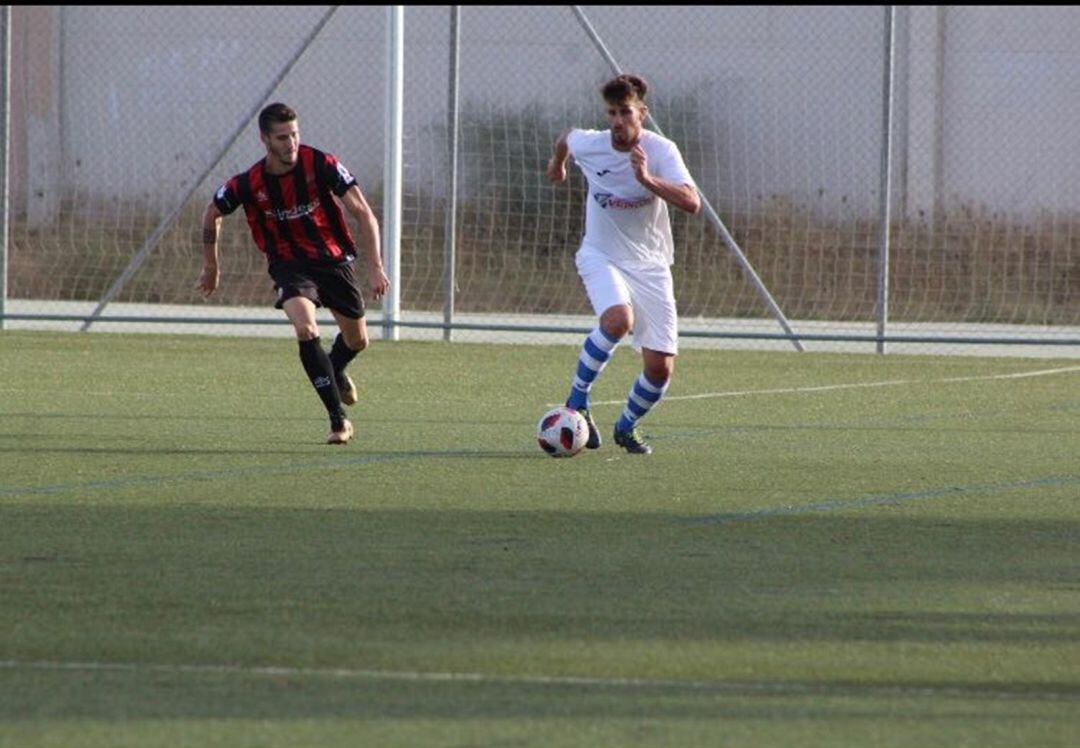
[562,432]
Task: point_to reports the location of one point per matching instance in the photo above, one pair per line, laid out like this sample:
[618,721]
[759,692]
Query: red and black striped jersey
[293,217]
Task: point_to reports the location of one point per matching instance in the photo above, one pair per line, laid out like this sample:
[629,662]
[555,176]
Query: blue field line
[243,472]
[890,498]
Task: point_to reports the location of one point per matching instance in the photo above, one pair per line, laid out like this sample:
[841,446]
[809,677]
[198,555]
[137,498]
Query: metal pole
[5,147]
[450,240]
[395,94]
[710,213]
[885,209]
[148,246]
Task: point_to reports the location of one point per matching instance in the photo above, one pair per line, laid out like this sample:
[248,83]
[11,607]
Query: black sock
[321,373]
[340,356]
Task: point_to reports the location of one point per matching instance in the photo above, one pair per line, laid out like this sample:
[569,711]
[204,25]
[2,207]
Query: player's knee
[355,336]
[616,331]
[357,342]
[306,331]
[617,322]
[658,378]
[659,372]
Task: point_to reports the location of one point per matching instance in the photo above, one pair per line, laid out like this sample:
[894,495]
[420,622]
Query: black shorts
[332,286]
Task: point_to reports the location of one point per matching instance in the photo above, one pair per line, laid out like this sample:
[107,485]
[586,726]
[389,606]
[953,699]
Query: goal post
[391,229]
[881,310]
[5,151]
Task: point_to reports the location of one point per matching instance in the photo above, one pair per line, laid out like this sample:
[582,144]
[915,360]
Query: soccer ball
[562,432]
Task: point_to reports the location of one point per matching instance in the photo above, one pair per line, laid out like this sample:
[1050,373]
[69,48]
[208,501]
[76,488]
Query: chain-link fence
[125,120]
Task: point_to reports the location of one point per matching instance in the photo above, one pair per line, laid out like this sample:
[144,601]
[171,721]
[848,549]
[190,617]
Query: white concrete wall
[791,96]
[151,94]
[1012,104]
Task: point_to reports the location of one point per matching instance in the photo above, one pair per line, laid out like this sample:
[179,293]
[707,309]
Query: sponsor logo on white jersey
[613,202]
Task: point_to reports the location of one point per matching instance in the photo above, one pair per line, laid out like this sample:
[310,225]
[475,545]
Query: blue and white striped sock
[595,353]
[644,396]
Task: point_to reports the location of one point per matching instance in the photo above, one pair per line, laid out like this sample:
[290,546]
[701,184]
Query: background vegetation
[517,235]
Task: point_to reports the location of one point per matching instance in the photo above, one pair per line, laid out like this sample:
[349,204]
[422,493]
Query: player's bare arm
[682,196]
[357,205]
[556,168]
[210,276]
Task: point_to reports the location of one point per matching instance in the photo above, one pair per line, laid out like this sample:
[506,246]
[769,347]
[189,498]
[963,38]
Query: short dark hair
[274,114]
[623,88]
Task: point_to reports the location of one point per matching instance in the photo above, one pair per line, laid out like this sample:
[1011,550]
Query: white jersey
[623,220]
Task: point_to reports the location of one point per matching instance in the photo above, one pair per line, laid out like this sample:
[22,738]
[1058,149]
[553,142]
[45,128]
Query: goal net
[123,124]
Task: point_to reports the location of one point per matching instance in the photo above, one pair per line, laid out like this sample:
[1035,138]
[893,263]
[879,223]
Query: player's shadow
[164,416]
[560,614]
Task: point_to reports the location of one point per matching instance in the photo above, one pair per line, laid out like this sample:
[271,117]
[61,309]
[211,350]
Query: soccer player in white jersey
[626,255]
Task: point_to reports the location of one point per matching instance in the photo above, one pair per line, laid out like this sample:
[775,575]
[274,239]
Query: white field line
[853,386]
[704,395]
[779,688]
[1017,375]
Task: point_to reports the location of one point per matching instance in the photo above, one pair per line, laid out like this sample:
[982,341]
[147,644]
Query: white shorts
[649,290]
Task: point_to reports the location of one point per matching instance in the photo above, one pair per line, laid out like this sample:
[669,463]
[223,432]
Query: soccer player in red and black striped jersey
[292,199]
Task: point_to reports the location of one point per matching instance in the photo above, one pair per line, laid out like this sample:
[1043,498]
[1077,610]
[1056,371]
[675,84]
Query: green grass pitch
[824,550]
